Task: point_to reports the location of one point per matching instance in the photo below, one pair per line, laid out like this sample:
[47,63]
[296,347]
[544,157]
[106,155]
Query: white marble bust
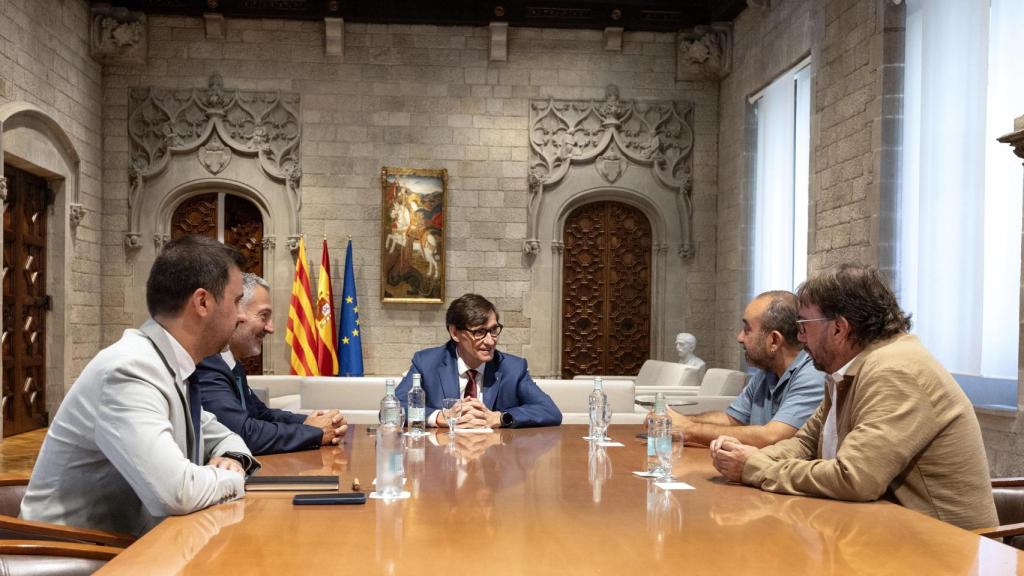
[686,343]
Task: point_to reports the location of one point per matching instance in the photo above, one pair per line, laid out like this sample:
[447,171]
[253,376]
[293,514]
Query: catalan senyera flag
[326,356]
[350,347]
[301,337]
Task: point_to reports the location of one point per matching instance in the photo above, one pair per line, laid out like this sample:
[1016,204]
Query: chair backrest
[723,382]
[40,558]
[12,491]
[661,373]
[1008,494]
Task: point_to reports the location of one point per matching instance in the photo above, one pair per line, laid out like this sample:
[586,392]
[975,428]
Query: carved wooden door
[233,220]
[606,291]
[25,302]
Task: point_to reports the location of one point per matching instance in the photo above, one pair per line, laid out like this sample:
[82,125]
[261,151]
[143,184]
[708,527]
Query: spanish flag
[326,357]
[300,336]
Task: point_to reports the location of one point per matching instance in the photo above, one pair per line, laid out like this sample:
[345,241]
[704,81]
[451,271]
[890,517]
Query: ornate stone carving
[704,52]
[215,124]
[293,243]
[133,241]
[214,156]
[269,243]
[3,188]
[612,135]
[160,239]
[557,246]
[118,36]
[76,212]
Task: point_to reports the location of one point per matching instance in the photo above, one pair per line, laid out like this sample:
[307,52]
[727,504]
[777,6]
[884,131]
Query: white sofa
[358,398]
[572,398]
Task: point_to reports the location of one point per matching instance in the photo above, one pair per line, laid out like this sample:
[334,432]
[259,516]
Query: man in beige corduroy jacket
[894,424]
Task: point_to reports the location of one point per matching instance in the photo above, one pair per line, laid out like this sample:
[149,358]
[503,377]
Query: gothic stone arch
[32,140]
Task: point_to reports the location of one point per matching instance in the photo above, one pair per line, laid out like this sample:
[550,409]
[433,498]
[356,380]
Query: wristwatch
[506,420]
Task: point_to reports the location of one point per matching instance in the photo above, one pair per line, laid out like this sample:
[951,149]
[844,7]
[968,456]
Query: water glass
[669,449]
[451,409]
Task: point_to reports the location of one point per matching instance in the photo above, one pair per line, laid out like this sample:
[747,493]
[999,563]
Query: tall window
[960,202]
[783,112]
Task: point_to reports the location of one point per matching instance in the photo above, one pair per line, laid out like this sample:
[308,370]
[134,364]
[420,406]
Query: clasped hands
[331,422]
[473,414]
[729,455]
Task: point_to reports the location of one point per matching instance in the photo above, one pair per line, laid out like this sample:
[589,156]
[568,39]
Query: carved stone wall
[612,135]
[636,152]
[184,143]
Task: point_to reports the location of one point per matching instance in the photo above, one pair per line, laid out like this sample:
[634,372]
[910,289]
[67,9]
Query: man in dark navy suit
[226,391]
[496,387]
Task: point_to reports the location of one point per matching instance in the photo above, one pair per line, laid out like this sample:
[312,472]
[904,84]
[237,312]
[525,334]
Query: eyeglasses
[801,324]
[481,333]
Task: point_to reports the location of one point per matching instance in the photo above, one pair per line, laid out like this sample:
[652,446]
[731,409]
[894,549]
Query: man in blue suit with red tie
[496,387]
[226,393]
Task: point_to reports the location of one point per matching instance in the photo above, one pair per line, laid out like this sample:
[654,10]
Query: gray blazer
[116,458]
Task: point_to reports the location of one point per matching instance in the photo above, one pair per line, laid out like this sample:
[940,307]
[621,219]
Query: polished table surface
[544,501]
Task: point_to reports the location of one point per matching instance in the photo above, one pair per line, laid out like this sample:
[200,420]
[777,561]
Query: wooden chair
[12,490]
[1008,494]
[43,558]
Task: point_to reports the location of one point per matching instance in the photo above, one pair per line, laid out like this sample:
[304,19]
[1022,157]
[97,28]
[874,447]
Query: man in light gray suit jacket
[130,444]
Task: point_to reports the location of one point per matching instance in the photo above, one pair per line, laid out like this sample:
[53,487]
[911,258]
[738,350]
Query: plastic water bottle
[597,400]
[389,460]
[417,406]
[390,407]
[659,426]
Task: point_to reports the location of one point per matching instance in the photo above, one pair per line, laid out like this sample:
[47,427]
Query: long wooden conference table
[545,501]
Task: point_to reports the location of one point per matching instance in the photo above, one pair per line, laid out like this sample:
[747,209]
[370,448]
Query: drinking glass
[669,449]
[603,419]
[451,409]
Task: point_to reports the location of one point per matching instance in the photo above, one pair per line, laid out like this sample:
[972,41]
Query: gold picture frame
[412,234]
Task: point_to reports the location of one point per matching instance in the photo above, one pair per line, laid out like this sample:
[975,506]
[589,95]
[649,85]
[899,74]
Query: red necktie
[471,383]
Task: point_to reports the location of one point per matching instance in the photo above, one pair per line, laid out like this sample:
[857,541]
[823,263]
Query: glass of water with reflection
[451,409]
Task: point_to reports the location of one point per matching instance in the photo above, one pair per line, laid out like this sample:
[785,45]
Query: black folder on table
[292,483]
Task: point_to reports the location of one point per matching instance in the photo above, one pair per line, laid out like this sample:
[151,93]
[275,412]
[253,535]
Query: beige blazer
[115,456]
[907,433]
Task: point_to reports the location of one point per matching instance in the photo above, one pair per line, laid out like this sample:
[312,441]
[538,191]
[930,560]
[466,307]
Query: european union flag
[350,348]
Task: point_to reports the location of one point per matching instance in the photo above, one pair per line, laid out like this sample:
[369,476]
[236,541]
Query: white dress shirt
[830,435]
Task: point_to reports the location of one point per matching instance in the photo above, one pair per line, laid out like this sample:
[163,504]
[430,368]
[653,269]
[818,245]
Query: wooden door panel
[242,228]
[606,290]
[26,303]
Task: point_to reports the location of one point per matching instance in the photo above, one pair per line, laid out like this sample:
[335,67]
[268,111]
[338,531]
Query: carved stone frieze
[705,52]
[612,135]
[76,212]
[214,124]
[269,243]
[557,246]
[118,35]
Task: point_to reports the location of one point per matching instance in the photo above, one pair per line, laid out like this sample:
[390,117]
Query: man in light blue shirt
[784,391]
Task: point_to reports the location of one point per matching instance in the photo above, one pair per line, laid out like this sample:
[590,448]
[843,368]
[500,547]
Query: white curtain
[960,232]
[780,195]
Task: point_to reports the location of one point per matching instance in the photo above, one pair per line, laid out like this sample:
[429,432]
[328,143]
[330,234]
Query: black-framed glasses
[481,333]
[802,324]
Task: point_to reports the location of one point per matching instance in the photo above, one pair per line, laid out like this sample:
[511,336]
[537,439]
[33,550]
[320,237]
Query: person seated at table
[496,387]
[227,395]
[784,390]
[131,444]
[894,423]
